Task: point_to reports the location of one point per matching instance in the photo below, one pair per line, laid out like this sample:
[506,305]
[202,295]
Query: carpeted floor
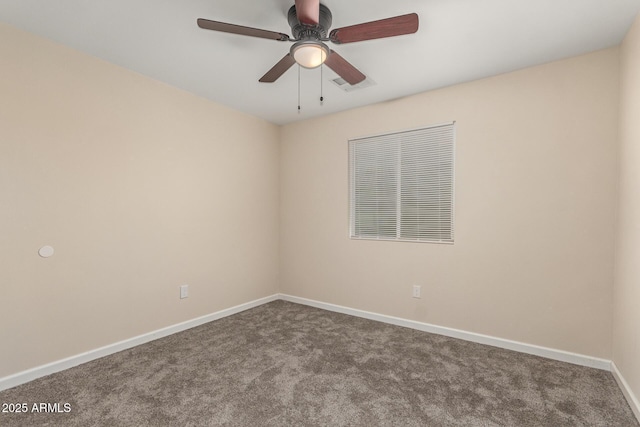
[284,364]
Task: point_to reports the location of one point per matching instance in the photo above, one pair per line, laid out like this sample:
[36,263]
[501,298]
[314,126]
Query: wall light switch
[184,291]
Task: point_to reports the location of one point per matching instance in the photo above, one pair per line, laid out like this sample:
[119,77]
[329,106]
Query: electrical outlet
[416,291]
[184,291]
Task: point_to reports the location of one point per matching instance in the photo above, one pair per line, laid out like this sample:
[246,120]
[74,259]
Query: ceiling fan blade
[396,26]
[279,69]
[344,69]
[239,29]
[308,11]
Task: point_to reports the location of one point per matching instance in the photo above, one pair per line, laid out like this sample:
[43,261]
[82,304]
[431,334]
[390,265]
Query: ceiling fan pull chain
[298,89]
[321,81]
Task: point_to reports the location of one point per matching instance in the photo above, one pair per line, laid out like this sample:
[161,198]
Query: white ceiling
[458,41]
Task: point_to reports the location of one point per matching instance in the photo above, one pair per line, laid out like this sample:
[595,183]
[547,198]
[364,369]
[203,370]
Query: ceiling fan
[310,21]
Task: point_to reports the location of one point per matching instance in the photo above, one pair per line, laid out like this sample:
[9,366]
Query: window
[401,185]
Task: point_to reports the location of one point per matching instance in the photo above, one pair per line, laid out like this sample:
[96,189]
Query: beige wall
[535,209]
[626,336]
[139,187]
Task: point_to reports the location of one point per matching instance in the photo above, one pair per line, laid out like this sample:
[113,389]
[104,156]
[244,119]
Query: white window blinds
[401,185]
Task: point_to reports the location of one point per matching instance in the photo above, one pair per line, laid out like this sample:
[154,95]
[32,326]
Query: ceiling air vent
[342,84]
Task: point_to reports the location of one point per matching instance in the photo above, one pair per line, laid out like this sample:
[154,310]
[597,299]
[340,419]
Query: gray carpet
[284,364]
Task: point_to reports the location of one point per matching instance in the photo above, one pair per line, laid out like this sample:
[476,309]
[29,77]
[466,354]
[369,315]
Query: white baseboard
[578,359]
[626,390]
[550,353]
[69,362]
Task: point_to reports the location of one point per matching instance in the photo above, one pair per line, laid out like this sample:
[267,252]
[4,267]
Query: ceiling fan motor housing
[310,32]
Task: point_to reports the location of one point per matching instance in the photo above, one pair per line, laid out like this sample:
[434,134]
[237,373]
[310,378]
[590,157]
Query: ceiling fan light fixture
[310,53]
